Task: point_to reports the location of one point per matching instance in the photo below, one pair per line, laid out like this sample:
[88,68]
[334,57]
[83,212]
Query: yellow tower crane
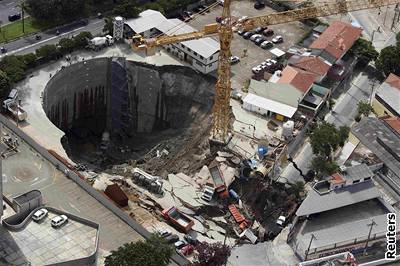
[222,109]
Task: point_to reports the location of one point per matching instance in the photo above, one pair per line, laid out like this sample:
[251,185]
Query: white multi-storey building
[202,54]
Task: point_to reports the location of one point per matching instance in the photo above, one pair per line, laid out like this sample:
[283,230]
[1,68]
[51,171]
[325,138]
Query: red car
[187,250]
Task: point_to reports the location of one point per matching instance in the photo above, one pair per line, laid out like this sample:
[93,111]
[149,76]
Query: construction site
[179,148]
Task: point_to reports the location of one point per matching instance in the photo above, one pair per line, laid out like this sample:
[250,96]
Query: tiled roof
[337,39]
[393,81]
[311,64]
[337,178]
[300,79]
[393,122]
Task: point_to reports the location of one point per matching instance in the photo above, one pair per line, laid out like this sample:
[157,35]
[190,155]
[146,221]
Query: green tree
[67,45]
[56,11]
[323,167]
[297,189]
[29,59]
[215,254]
[343,132]
[14,67]
[389,60]
[364,51]
[82,39]
[325,139]
[151,252]
[127,9]
[364,108]
[48,52]
[108,26]
[4,84]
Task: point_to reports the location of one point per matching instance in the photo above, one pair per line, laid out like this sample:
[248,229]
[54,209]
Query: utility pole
[372,224]
[309,245]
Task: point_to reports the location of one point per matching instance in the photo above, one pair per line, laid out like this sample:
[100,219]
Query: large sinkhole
[114,110]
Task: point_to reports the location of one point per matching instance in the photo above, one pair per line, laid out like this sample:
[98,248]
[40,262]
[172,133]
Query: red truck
[179,219]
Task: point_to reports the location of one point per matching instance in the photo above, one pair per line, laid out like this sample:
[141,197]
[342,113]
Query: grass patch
[13,30]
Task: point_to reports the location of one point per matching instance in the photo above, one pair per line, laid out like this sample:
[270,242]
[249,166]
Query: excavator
[221,126]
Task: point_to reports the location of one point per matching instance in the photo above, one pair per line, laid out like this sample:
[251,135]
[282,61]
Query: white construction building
[202,54]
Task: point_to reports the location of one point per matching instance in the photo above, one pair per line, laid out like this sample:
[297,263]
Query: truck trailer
[16,111]
[177,218]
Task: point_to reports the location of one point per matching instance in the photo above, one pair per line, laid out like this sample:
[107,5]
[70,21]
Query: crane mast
[221,108]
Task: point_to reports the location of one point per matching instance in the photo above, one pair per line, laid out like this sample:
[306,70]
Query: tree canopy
[326,138]
[151,252]
[323,167]
[56,11]
[364,51]
[4,84]
[364,108]
[127,9]
[215,254]
[389,60]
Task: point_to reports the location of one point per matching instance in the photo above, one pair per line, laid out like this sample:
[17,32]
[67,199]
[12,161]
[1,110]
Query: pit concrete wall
[78,92]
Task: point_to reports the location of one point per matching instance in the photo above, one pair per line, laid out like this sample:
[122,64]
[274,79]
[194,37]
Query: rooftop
[337,39]
[300,79]
[273,106]
[41,244]
[389,92]
[25,197]
[357,172]
[316,203]
[393,122]
[380,139]
[312,64]
[283,93]
[149,19]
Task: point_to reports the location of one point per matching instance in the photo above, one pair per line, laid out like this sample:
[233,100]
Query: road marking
[34,44]
[97,22]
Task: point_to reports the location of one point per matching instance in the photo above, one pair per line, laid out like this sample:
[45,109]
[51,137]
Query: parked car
[255,36]
[180,244]
[14,17]
[268,32]
[191,240]
[164,232]
[220,2]
[267,44]
[234,59]
[257,69]
[236,95]
[188,14]
[218,19]
[259,41]
[241,32]
[259,29]
[243,19]
[59,220]
[281,220]
[39,215]
[187,250]
[3,50]
[277,39]
[247,35]
[171,239]
[259,5]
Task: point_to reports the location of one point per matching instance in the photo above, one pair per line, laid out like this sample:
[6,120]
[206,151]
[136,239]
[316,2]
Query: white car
[59,220]
[243,19]
[277,39]
[281,220]
[267,44]
[164,232]
[257,69]
[234,59]
[254,37]
[39,215]
[180,244]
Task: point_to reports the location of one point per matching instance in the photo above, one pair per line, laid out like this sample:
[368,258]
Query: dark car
[3,50]
[268,32]
[191,240]
[172,239]
[218,19]
[259,29]
[14,17]
[259,41]
[259,5]
[247,35]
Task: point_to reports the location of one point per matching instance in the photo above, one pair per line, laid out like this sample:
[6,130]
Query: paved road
[345,111]
[8,7]
[30,44]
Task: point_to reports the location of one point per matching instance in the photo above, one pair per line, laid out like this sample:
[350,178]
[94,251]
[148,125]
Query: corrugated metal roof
[147,20]
[391,95]
[358,172]
[316,203]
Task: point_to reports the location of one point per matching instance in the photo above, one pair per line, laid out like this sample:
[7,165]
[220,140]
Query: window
[182,46]
[367,178]
[195,53]
[356,181]
[211,57]
[201,57]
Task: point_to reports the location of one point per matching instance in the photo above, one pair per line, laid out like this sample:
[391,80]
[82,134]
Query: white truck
[99,42]
[15,110]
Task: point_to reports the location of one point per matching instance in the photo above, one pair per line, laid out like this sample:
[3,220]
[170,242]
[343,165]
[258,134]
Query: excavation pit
[113,110]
